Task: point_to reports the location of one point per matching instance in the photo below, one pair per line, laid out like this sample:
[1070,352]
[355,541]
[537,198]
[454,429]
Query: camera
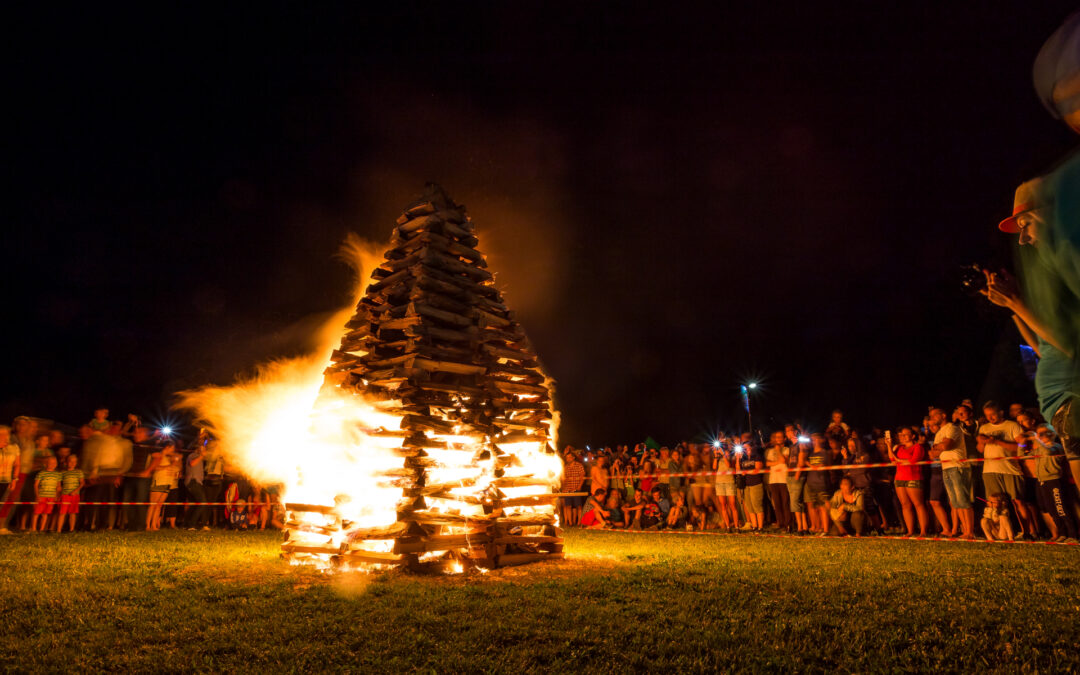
[972,278]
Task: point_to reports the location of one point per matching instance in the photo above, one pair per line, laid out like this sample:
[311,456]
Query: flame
[278,427]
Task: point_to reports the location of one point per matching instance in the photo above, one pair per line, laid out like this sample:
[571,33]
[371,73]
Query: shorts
[69,503]
[574,502]
[795,487]
[816,495]
[754,499]
[1066,423]
[1031,490]
[937,488]
[160,488]
[958,485]
[1005,483]
[44,506]
[910,484]
[725,489]
[588,518]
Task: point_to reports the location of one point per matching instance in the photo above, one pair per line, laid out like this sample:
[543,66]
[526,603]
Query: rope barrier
[955,540]
[829,467]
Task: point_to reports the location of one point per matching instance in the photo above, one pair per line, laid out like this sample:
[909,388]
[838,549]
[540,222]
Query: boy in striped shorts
[71,485]
[46,489]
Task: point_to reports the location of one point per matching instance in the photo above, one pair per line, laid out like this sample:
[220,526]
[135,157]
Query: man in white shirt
[950,449]
[997,441]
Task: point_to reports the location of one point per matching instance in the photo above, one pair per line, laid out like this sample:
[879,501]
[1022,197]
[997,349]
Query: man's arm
[1002,291]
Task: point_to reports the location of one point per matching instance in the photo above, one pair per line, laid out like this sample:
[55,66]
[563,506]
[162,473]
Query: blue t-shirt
[1054,379]
[664,505]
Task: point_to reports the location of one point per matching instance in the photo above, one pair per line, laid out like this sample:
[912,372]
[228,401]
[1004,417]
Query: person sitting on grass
[238,517]
[632,511]
[847,510]
[616,515]
[71,482]
[46,491]
[593,515]
[651,515]
[678,514]
[995,521]
[662,503]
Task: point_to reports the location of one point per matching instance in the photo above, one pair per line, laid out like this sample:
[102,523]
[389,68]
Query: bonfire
[428,443]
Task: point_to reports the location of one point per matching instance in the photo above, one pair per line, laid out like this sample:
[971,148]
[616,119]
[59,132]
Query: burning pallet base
[442,548]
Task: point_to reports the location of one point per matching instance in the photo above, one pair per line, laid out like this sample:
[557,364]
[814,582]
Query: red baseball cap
[1024,201]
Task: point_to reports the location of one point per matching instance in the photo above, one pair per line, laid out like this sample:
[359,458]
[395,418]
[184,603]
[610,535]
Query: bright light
[752,385]
[804,439]
[166,431]
[716,444]
[738,449]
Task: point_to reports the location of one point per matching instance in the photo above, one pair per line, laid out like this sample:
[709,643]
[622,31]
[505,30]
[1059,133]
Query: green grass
[620,602]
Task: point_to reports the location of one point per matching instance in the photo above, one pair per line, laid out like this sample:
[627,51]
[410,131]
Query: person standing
[215,475]
[909,484]
[817,493]
[751,463]
[71,484]
[776,459]
[573,479]
[935,423]
[9,477]
[796,478]
[193,480]
[951,448]
[998,443]
[1049,469]
[136,492]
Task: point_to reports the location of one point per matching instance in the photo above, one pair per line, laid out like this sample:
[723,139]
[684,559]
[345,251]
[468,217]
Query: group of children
[57,491]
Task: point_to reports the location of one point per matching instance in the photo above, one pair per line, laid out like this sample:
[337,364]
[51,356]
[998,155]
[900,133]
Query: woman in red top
[909,487]
[648,478]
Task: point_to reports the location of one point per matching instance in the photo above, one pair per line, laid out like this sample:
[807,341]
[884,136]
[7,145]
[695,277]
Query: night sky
[675,198]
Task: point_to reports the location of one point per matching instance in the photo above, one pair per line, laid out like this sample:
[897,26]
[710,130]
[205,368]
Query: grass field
[620,602]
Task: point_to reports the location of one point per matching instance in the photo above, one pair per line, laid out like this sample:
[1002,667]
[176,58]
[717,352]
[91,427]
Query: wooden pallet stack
[433,341]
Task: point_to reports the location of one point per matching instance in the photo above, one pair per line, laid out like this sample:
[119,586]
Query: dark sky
[676,198]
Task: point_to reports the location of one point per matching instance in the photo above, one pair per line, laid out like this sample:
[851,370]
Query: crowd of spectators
[123,476]
[930,480]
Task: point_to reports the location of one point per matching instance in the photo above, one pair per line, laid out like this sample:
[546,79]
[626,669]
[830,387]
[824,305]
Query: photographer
[1047,330]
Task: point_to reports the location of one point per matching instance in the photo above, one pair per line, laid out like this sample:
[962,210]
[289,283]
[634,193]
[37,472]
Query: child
[238,517]
[651,515]
[661,503]
[632,511]
[616,517]
[594,516]
[995,520]
[676,519]
[71,483]
[46,490]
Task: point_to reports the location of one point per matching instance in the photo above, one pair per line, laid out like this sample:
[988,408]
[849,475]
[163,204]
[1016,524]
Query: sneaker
[1070,540]
[746,526]
[205,528]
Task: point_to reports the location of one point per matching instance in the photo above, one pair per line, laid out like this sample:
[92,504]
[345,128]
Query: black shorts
[1031,490]
[574,502]
[937,488]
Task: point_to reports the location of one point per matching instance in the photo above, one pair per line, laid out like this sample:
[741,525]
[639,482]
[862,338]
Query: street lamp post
[745,389]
